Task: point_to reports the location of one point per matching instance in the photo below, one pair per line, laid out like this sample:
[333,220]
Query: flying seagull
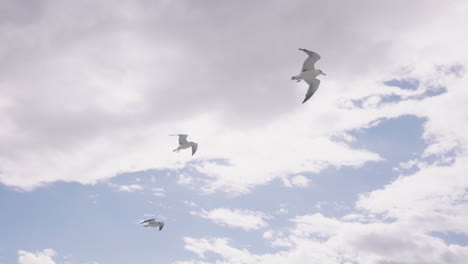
[309,73]
[153,223]
[183,143]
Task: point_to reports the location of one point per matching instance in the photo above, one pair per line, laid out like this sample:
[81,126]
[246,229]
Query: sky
[371,170]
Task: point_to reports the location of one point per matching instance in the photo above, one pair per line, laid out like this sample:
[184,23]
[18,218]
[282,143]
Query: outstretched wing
[310,62]
[313,86]
[194,147]
[182,138]
[161,225]
[147,221]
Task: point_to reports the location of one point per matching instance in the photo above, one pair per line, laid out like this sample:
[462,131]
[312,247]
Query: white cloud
[40,257]
[161,192]
[130,188]
[185,179]
[190,203]
[309,252]
[268,234]
[281,211]
[245,219]
[394,224]
[316,238]
[432,199]
[119,101]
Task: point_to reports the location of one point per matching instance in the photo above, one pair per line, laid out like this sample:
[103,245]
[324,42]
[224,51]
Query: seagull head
[321,72]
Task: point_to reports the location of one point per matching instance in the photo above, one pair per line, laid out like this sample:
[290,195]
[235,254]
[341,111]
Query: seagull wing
[147,221]
[194,147]
[161,225]
[182,138]
[310,62]
[313,86]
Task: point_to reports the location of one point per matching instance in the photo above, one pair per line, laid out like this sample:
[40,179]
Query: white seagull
[153,223]
[309,73]
[183,143]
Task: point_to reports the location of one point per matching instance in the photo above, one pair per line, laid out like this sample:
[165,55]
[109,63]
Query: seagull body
[184,144]
[309,73]
[153,223]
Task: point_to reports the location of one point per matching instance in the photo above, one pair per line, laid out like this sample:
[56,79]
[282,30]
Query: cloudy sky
[371,170]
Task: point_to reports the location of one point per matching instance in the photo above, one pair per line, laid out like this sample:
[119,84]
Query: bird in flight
[153,223]
[183,143]
[309,73]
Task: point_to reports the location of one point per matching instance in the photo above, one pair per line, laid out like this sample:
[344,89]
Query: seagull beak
[324,74]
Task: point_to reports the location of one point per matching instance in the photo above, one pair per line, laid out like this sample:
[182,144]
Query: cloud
[130,188]
[397,223]
[432,199]
[281,211]
[310,252]
[238,218]
[83,102]
[328,240]
[40,257]
[114,88]
[190,203]
[161,192]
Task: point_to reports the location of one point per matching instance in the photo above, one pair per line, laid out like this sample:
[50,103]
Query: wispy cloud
[238,218]
[161,192]
[130,188]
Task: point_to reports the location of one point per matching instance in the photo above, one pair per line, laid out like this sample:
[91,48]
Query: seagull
[153,223]
[309,73]
[183,143]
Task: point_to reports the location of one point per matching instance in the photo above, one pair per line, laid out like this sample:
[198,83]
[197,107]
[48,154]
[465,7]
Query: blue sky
[371,170]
